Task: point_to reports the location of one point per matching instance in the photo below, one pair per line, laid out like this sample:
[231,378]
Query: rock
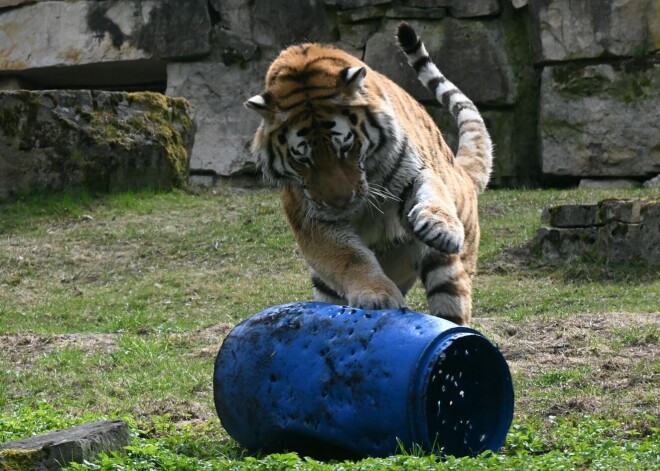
[430,3]
[13,3]
[101,32]
[235,17]
[564,244]
[613,231]
[473,8]
[173,30]
[626,211]
[457,8]
[586,215]
[605,183]
[585,119]
[414,12]
[569,30]
[277,24]
[519,3]
[570,215]
[361,14]
[620,243]
[224,126]
[230,49]
[459,48]
[653,182]
[502,132]
[382,54]
[58,139]
[346,4]
[55,450]
[649,233]
[355,36]
[11,83]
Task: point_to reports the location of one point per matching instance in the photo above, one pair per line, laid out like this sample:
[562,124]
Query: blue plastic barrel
[338,382]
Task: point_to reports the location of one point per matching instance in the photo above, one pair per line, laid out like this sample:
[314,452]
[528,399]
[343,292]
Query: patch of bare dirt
[601,363]
[21,350]
[605,363]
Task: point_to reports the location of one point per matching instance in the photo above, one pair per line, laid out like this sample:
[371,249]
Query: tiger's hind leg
[431,213]
[448,286]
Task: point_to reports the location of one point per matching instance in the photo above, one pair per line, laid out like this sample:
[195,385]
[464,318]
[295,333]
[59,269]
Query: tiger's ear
[262,104]
[352,78]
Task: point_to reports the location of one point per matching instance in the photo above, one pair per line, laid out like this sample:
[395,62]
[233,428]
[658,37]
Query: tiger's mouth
[339,207]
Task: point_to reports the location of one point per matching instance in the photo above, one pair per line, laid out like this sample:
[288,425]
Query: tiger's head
[315,133]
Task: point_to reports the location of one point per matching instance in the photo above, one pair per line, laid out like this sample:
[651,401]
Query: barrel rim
[420,383]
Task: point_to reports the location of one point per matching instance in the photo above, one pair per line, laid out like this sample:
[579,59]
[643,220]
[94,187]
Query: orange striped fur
[375,197]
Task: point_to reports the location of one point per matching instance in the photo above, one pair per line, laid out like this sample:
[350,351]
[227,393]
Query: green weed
[115,306]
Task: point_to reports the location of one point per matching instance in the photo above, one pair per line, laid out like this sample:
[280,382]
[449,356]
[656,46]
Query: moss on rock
[20,460]
[626,81]
[95,139]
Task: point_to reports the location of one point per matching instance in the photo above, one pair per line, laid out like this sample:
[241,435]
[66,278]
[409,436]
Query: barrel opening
[469,398]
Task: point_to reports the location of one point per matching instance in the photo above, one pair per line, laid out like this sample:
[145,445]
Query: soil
[617,371]
[615,355]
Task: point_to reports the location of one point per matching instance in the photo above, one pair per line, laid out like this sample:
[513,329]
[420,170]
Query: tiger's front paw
[388,297]
[443,233]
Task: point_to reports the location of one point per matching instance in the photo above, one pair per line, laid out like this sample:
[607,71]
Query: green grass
[114,307]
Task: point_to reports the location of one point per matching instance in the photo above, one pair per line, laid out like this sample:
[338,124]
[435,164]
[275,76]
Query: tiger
[375,197]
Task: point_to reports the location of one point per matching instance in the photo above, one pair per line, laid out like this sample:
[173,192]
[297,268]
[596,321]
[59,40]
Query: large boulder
[55,140]
[469,53]
[491,63]
[601,120]
[278,23]
[224,126]
[248,35]
[569,30]
[500,124]
[37,38]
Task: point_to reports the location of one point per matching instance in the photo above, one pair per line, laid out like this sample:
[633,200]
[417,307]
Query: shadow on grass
[522,260]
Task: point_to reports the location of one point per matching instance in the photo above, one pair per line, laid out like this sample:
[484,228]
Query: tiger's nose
[340,201]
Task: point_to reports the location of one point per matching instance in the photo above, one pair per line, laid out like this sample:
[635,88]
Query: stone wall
[59,139]
[568,89]
[613,231]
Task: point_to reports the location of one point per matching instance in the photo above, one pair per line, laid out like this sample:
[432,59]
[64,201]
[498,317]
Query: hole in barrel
[468,405]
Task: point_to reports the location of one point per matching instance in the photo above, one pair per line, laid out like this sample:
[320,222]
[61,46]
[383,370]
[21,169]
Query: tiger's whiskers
[382,192]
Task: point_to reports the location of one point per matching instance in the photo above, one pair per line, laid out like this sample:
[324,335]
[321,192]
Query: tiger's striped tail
[475,153]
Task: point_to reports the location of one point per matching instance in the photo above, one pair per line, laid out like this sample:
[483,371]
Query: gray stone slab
[620,211]
[399,11]
[53,451]
[278,23]
[101,32]
[620,242]
[570,215]
[553,243]
[569,30]
[225,128]
[608,183]
[652,182]
[601,120]
[484,69]
[623,231]
[474,8]
[354,3]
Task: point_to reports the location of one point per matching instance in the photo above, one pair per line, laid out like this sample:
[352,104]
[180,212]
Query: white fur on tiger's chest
[376,228]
